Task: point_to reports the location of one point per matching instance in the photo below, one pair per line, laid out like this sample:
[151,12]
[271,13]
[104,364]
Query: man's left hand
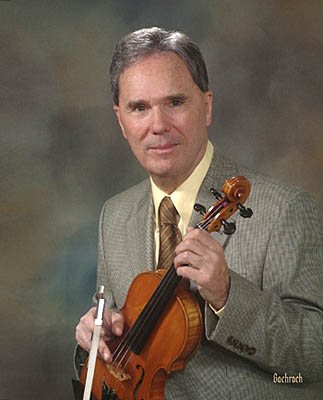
[200,258]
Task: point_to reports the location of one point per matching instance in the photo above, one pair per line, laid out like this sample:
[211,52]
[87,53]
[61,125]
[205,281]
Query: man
[263,297]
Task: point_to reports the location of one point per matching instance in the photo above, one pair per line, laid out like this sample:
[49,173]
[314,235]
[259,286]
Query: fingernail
[106,356]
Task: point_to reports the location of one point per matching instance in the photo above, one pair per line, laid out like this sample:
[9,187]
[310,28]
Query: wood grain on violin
[163,322]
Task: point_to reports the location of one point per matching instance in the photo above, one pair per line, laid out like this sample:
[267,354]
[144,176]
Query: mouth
[162,149]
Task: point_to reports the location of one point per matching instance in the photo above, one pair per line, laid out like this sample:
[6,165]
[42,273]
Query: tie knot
[167,212]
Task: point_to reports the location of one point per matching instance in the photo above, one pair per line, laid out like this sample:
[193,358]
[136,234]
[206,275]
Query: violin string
[211,215]
[149,311]
[152,304]
[119,362]
[114,382]
[122,344]
[127,362]
[131,334]
[140,322]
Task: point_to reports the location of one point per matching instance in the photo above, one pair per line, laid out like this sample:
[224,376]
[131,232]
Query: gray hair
[144,42]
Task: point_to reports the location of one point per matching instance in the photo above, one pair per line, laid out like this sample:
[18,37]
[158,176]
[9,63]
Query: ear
[208,96]
[117,111]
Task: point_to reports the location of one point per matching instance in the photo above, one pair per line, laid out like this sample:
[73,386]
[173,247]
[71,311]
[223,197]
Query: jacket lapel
[140,230]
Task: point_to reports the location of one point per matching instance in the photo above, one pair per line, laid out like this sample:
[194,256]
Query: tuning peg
[228,227]
[244,212]
[216,194]
[200,208]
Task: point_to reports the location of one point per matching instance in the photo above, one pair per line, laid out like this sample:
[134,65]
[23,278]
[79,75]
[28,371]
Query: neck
[169,184]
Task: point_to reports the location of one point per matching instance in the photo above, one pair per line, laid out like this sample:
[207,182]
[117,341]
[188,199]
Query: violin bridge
[118,373]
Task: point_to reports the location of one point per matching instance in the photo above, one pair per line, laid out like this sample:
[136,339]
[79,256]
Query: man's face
[164,116]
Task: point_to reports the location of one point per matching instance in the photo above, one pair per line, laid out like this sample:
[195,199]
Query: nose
[160,123]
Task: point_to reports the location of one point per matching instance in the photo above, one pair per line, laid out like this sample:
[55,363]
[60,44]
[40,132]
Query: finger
[112,323]
[117,324]
[188,273]
[189,228]
[83,339]
[105,334]
[191,245]
[203,237]
[188,258]
[84,329]
[88,319]
[104,351]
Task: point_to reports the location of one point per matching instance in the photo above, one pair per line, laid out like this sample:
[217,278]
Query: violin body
[174,339]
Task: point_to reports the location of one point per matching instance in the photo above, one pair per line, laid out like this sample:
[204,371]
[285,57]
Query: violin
[163,323]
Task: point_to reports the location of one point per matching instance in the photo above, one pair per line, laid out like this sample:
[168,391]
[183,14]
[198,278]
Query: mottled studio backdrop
[62,153]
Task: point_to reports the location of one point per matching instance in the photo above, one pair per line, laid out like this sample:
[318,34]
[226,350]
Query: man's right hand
[112,326]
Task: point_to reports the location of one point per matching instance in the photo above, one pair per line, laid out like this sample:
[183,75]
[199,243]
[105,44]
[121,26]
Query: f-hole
[139,382]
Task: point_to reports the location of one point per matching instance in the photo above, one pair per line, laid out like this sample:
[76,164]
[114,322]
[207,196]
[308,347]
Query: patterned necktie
[169,234]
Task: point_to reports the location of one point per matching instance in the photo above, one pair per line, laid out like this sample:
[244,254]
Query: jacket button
[245,348]
[238,346]
[230,340]
[252,351]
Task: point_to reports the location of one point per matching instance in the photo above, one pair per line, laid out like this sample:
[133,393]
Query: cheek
[131,131]
[135,140]
[194,127]
[185,123]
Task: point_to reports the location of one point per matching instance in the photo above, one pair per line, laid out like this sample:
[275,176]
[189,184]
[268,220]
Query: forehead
[165,69]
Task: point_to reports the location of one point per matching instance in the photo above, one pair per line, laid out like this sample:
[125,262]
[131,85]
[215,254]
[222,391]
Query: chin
[162,169]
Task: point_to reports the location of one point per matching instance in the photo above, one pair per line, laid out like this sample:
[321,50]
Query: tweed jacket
[272,325]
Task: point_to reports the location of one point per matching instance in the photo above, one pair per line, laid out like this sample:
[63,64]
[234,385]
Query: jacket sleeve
[280,325]
[102,267]
[80,354]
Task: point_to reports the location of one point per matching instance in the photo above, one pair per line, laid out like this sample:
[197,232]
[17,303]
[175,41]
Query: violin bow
[94,344]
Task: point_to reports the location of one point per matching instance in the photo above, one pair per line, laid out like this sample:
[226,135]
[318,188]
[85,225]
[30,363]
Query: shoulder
[266,191]
[271,190]
[274,201]
[134,193]
[127,202]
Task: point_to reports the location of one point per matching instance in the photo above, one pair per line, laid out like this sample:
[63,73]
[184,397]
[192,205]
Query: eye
[139,108]
[176,102]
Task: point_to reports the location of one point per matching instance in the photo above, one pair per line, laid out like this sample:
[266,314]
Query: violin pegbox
[236,191]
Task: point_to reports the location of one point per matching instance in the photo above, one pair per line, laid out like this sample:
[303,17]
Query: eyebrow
[181,96]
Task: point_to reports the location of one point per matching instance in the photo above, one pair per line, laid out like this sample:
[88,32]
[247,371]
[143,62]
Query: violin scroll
[236,191]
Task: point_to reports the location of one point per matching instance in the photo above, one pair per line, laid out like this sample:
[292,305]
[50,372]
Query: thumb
[117,322]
